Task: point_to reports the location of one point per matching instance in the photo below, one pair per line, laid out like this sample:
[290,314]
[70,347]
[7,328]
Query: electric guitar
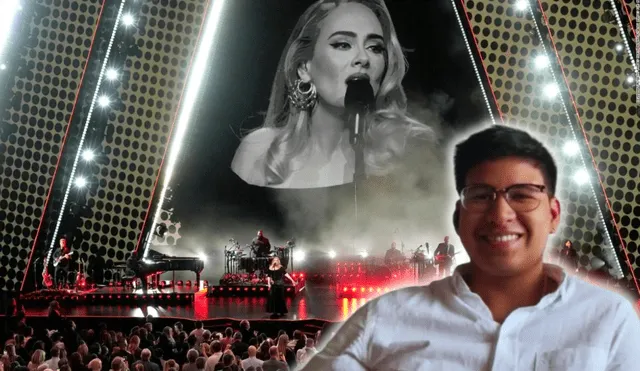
[47,281]
[60,258]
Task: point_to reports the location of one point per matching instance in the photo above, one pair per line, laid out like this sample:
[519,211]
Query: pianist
[134,270]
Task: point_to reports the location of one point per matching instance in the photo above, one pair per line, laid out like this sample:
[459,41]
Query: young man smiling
[506,309]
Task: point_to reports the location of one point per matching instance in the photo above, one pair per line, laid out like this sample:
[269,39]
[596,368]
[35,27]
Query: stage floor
[316,301]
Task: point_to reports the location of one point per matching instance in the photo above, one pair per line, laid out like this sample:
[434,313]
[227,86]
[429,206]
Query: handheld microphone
[357,101]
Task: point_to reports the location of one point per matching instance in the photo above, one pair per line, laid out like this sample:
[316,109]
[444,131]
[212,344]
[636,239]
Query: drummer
[393,257]
[444,257]
[261,245]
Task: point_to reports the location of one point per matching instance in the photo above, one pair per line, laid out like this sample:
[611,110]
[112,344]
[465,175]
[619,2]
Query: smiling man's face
[500,241]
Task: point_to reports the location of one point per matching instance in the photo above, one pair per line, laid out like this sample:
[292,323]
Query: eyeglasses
[520,197]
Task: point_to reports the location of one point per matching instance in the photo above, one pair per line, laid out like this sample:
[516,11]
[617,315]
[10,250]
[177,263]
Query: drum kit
[250,258]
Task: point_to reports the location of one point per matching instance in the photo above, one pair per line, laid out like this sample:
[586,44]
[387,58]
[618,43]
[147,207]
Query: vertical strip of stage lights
[96,99]
[185,108]
[636,74]
[473,62]
[64,141]
[575,135]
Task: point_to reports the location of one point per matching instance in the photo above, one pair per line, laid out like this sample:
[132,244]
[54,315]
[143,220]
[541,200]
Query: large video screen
[274,148]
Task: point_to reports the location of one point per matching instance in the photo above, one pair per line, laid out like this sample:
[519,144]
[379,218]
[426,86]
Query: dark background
[210,201]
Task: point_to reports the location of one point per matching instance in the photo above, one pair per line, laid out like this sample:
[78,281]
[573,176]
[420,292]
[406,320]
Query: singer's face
[500,241]
[350,41]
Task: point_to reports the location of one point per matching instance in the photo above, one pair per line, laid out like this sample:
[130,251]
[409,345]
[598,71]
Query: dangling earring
[303,95]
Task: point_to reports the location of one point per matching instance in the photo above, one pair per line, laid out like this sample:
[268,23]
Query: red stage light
[353,289]
[178,296]
[253,289]
[101,296]
[246,289]
[189,283]
[288,288]
[237,289]
[262,289]
[118,296]
[110,297]
[301,275]
[344,289]
[362,289]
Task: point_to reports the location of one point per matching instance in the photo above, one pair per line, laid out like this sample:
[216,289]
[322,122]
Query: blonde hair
[38,357]
[273,263]
[283,341]
[389,127]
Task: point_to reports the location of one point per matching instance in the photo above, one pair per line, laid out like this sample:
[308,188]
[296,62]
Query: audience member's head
[178,327]
[216,346]
[228,332]
[201,362]
[192,355]
[253,341]
[38,357]
[95,364]
[310,343]
[192,340]
[145,355]
[168,331]
[273,352]
[252,351]
[244,324]
[228,359]
[199,325]
[83,349]
[117,364]
[237,336]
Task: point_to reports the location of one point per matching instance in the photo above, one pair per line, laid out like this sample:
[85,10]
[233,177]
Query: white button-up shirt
[445,326]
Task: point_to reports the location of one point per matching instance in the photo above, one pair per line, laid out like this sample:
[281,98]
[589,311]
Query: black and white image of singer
[304,141]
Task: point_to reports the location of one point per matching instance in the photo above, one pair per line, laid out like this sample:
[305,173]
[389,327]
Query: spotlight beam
[10,9]
[192,90]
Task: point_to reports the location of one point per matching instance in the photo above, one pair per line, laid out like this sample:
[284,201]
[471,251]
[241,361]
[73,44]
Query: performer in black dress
[275,281]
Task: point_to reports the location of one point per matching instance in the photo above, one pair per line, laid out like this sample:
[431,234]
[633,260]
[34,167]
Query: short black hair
[498,142]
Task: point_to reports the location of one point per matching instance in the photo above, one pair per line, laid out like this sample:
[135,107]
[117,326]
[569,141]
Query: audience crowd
[64,347]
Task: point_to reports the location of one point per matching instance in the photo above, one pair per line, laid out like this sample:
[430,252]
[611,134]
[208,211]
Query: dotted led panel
[141,128]
[45,94]
[597,76]
[508,44]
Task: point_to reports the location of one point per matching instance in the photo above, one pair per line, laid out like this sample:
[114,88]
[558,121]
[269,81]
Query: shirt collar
[554,272]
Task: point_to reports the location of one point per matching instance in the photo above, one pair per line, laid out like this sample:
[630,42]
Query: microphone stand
[359,97]
[358,173]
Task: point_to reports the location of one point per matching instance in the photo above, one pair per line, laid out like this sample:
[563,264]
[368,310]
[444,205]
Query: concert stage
[316,301]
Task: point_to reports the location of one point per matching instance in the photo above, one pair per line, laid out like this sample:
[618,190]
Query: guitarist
[444,255]
[62,263]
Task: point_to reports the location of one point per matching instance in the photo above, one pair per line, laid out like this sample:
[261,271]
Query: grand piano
[156,263]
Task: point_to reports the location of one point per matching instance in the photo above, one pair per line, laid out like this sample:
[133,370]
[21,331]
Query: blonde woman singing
[275,282]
